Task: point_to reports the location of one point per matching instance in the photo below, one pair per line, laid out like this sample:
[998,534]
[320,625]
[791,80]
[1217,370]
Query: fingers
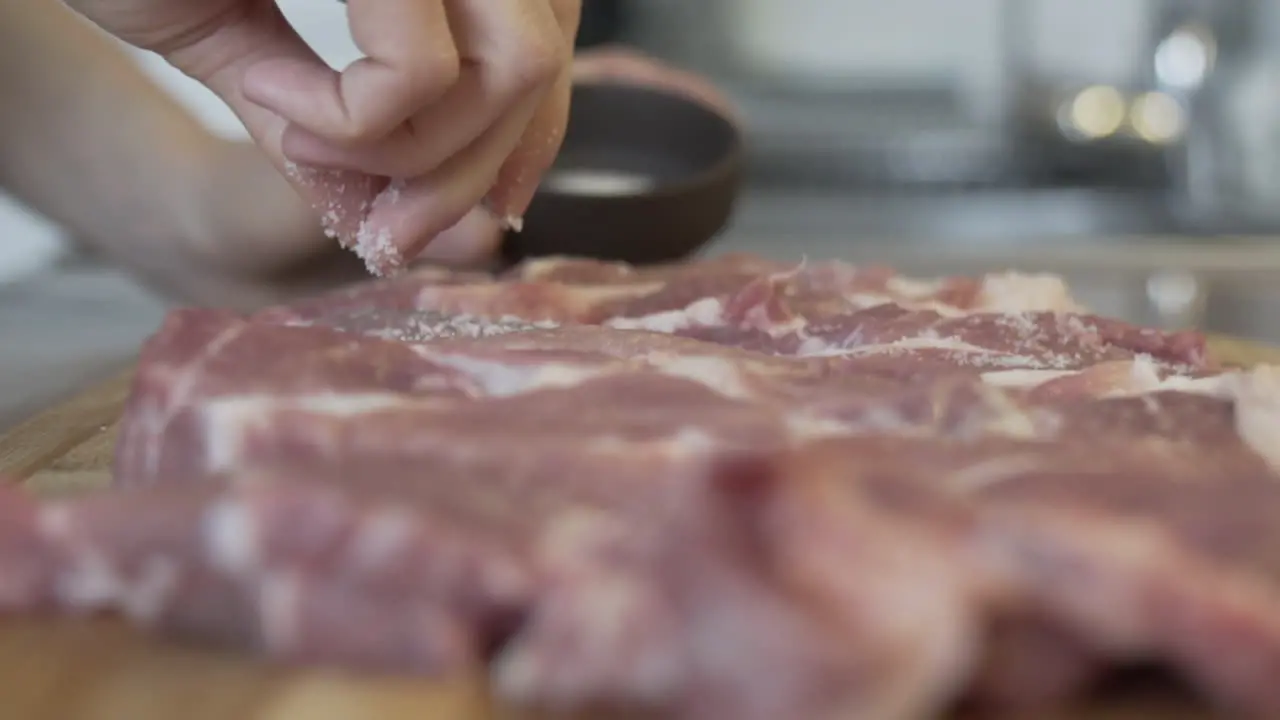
[410,62]
[519,52]
[518,180]
[224,58]
[472,242]
[402,221]
[512,53]
[510,49]
[453,97]
[425,141]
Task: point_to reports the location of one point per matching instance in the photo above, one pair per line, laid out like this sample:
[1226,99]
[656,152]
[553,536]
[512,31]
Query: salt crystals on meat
[726,488]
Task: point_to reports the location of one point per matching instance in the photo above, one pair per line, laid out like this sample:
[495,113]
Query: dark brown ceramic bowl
[644,176]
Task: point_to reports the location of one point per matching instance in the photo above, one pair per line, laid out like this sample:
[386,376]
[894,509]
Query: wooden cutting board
[99,669]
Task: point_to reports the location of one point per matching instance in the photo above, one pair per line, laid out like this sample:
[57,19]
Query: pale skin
[88,140]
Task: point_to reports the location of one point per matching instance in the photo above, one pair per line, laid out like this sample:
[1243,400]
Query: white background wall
[1094,36]
[963,40]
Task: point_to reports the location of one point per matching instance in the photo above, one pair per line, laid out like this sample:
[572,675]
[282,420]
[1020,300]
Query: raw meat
[726,489]
[1135,545]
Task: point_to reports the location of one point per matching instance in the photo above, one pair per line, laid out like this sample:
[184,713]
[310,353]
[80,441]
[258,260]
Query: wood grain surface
[100,669]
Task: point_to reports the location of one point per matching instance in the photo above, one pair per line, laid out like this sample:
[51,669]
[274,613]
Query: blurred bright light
[1185,58]
[1094,113]
[1157,118]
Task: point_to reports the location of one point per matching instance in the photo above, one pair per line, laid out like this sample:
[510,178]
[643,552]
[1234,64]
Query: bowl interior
[624,140]
[643,177]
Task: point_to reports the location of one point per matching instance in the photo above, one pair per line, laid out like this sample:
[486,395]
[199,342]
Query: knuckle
[436,71]
[376,100]
[536,61]
[424,78]
[361,125]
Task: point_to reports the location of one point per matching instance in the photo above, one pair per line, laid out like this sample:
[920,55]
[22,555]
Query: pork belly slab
[730,488]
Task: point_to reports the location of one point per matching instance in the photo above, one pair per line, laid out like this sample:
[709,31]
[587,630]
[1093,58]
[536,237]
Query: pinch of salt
[390,194]
[380,255]
[375,247]
[332,213]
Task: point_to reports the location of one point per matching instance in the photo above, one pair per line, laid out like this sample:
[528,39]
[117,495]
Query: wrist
[167,223]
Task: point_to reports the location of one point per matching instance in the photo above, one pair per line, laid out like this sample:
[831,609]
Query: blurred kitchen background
[1133,145]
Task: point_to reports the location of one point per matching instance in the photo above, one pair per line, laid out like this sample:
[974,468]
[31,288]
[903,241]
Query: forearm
[87,139]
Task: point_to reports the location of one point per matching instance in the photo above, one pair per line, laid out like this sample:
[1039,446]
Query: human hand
[256,243]
[460,101]
[274,251]
[250,241]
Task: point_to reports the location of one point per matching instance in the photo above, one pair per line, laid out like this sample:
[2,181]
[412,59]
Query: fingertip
[402,220]
[473,240]
[375,244]
[521,173]
[341,199]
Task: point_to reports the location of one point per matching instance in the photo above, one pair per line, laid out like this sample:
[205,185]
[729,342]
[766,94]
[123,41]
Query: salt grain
[418,326]
[390,195]
[375,247]
[426,326]
[333,212]
[292,170]
[313,177]
[329,223]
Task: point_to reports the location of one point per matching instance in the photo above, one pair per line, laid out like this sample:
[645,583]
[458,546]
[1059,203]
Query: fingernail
[505,220]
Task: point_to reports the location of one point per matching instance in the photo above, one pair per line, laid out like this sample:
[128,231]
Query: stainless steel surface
[1197,50]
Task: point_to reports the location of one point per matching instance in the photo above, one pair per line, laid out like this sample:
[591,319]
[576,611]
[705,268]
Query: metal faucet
[1196,47]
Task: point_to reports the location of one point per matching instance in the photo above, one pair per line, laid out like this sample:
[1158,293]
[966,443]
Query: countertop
[65,329]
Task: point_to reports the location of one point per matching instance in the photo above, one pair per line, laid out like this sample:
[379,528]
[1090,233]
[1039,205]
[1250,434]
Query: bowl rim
[727,165]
